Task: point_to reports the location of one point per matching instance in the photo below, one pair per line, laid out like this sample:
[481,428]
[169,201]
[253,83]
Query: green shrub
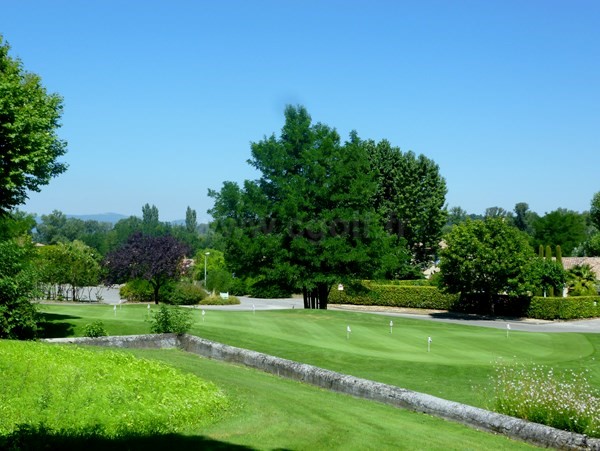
[266,289]
[218,300]
[137,290]
[183,293]
[238,287]
[396,295]
[171,320]
[564,308]
[95,329]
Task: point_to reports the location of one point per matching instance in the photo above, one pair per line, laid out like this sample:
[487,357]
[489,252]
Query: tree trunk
[156,287]
[317,297]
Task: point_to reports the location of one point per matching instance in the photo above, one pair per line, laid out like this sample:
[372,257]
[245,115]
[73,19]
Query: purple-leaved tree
[156,259]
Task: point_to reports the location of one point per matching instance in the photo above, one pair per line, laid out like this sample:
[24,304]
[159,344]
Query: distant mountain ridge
[112,218]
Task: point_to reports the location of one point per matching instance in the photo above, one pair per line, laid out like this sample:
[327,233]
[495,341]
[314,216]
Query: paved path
[111,296]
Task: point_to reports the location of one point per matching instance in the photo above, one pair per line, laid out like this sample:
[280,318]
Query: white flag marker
[203,313]
[391,326]
[507,330]
[428,344]
[115,309]
[348,332]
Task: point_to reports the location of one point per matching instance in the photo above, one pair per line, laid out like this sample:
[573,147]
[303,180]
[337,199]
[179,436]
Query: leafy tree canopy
[156,259]
[410,196]
[561,227]
[309,221]
[29,145]
[486,258]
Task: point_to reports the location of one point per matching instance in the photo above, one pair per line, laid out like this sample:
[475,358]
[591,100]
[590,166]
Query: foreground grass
[59,395]
[459,366]
[111,393]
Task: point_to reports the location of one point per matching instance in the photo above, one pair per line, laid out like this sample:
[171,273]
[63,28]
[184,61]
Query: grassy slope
[275,413]
[457,368]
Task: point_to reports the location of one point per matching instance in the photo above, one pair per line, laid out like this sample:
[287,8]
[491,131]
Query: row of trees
[577,233]
[105,237]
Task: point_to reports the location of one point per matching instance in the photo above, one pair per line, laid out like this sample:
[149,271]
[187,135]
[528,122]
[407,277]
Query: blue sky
[162,98]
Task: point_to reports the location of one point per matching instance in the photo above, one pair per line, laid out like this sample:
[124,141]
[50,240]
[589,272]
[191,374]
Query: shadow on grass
[39,438]
[53,325]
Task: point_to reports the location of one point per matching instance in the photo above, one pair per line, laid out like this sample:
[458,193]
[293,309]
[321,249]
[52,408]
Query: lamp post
[206,254]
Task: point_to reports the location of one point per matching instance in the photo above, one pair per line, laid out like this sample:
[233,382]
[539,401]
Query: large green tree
[29,145]
[309,221]
[484,259]
[410,197]
[561,227]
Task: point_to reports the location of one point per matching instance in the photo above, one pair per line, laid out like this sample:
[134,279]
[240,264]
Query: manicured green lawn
[276,413]
[457,368]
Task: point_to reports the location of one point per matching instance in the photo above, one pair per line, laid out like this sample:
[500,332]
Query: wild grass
[112,393]
[564,400]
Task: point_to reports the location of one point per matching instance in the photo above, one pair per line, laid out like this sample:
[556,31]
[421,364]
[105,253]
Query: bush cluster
[564,308]
[178,293]
[95,330]
[171,320]
[218,300]
[393,295]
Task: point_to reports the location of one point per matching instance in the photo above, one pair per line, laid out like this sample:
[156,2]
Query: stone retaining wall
[479,418]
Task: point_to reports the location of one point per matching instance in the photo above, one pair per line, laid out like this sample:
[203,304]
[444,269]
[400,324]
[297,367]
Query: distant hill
[112,218]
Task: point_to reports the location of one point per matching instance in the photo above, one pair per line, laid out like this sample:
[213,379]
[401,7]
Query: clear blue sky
[162,98]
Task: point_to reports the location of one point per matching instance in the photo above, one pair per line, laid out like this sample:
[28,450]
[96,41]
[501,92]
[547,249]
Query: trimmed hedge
[564,308]
[392,295]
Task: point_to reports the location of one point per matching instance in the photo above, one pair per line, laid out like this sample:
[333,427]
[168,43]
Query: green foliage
[263,288]
[565,401]
[485,259]
[95,329]
[546,276]
[137,290]
[72,264]
[75,390]
[595,210]
[552,308]
[559,261]
[182,293]
[393,295]
[524,218]
[560,227]
[16,224]
[410,197]
[29,118]
[18,315]
[218,300]
[171,320]
[238,286]
[582,281]
[309,220]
